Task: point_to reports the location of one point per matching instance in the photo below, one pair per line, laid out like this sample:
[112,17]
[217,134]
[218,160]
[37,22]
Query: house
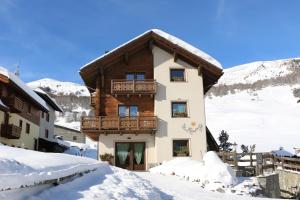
[20,112]
[69,134]
[148,100]
[47,141]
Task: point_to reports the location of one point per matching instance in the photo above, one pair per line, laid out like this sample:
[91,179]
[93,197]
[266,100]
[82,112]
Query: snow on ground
[20,167]
[211,170]
[268,118]
[59,87]
[176,188]
[211,174]
[106,183]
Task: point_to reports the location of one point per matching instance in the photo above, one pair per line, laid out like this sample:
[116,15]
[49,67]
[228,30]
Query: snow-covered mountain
[60,88]
[256,103]
[72,97]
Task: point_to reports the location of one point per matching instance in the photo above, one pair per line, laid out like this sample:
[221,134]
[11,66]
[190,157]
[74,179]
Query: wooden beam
[175,56]
[102,77]
[126,58]
[199,70]
[151,42]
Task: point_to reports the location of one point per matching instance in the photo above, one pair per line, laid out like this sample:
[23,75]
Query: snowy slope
[268,117]
[60,88]
[260,70]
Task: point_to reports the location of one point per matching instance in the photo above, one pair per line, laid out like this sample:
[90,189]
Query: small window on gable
[177,75]
[74,138]
[179,109]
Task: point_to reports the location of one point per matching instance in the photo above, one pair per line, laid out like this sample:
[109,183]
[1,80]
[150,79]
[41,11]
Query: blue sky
[54,38]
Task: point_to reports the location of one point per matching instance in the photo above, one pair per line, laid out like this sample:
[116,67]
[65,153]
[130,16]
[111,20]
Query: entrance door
[130,155]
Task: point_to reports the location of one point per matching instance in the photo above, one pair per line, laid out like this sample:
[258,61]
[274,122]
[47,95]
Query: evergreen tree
[225,145]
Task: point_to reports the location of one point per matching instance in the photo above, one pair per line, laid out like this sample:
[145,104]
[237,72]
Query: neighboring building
[148,100]
[47,142]
[20,112]
[69,134]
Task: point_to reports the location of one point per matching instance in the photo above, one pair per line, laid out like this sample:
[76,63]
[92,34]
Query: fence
[259,161]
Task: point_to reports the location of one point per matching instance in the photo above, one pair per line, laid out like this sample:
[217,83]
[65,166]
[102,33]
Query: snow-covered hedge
[210,170]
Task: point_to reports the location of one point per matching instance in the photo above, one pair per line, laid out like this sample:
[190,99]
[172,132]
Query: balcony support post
[98,95]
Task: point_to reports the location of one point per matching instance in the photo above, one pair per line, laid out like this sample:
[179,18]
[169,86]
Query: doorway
[130,155]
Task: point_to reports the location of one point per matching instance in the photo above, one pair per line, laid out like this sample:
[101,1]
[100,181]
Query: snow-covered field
[268,118]
[20,167]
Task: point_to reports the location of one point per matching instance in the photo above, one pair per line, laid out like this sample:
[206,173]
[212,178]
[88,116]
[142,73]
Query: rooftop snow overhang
[49,100]
[210,68]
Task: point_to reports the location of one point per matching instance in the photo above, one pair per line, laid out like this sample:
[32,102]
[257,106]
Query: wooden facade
[18,102]
[112,90]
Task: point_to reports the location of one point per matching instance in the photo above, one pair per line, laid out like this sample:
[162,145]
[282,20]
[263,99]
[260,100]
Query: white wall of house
[106,144]
[44,124]
[190,91]
[26,140]
[69,134]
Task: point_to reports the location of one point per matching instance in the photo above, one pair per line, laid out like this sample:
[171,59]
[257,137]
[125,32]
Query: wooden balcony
[15,104]
[133,87]
[122,125]
[10,131]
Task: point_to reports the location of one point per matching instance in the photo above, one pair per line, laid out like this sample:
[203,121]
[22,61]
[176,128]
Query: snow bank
[20,167]
[211,170]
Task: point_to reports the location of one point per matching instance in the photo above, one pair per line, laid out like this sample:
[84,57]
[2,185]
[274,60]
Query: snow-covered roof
[15,79]
[171,39]
[51,102]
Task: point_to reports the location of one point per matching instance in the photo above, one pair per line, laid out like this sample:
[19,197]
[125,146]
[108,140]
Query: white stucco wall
[26,140]
[190,91]
[107,144]
[44,124]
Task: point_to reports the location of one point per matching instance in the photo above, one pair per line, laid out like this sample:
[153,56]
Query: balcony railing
[133,86]
[119,124]
[10,131]
[15,104]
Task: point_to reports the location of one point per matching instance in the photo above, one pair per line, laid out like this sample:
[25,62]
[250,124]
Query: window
[74,137]
[29,108]
[20,124]
[42,114]
[177,75]
[27,128]
[47,117]
[46,133]
[179,109]
[125,111]
[181,148]
[135,76]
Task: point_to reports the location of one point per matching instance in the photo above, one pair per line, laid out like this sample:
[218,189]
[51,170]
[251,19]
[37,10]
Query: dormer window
[177,75]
